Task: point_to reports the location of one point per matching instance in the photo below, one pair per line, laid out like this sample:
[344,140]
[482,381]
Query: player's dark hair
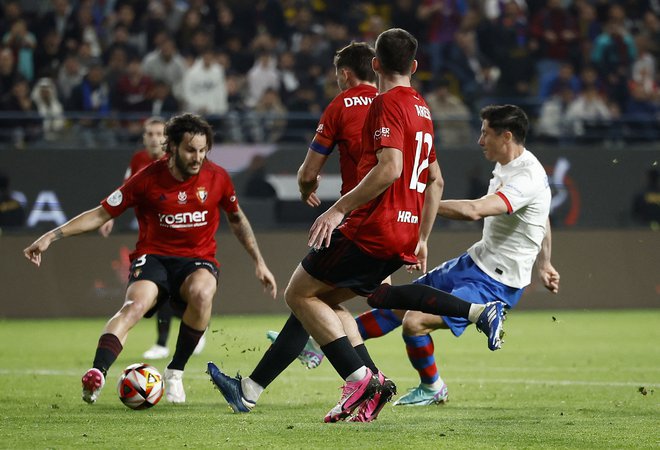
[177,126]
[396,50]
[357,57]
[503,118]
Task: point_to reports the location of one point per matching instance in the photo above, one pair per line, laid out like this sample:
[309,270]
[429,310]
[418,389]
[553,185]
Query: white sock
[434,386]
[475,311]
[358,374]
[251,389]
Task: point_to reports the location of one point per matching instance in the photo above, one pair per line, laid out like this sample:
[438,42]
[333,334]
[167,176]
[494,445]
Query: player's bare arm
[379,178]
[435,185]
[87,221]
[241,228]
[309,177]
[486,206]
[545,270]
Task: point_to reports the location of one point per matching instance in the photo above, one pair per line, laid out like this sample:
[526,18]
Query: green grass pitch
[563,380]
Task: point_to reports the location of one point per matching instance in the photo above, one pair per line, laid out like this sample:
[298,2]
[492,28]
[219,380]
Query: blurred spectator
[84,32]
[191,22]
[451,116]
[91,101]
[44,96]
[554,32]
[162,101]
[23,124]
[288,76]
[441,19]
[165,63]
[588,112]
[552,83]
[204,88]
[48,55]
[646,204]
[552,124]
[70,75]
[119,40]
[22,42]
[131,93]
[262,76]
[476,75]
[651,31]
[59,18]
[116,65]
[613,54]
[256,185]
[11,12]
[268,118]
[137,36]
[506,42]
[12,214]
[404,15]
[8,70]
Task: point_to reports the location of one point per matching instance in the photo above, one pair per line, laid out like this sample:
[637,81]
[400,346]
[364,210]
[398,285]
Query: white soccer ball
[140,386]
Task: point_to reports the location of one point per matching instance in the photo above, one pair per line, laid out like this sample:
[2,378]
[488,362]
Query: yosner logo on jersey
[183,220]
[115,198]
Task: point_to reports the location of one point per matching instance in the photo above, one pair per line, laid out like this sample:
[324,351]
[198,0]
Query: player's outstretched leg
[353,394]
[230,388]
[490,322]
[310,357]
[370,409]
[92,383]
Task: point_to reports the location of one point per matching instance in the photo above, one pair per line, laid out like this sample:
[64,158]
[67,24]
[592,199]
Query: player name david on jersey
[357,101]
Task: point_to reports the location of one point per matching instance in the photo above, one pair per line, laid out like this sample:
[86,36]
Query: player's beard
[186,170]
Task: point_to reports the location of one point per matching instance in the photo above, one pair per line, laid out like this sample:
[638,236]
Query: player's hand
[421,252]
[313,200]
[267,279]
[550,278]
[309,196]
[106,228]
[322,228]
[34,251]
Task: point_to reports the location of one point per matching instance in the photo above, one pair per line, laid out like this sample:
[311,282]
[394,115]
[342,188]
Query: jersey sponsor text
[183,219]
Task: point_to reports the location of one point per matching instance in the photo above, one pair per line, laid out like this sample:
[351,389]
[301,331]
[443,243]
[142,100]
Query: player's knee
[199,296]
[413,324]
[133,310]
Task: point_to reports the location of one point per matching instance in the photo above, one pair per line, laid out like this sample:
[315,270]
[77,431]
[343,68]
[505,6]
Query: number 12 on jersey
[422,139]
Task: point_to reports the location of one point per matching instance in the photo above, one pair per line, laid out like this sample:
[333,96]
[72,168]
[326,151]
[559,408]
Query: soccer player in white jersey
[516,234]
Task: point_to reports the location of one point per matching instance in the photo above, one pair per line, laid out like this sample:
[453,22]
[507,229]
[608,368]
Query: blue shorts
[464,279]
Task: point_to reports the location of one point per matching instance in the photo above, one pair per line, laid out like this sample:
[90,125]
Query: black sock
[107,351]
[282,352]
[163,322]
[364,355]
[419,297]
[343,356]
[185,345]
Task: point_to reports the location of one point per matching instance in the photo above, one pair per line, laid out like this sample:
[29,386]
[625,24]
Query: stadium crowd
[261,71]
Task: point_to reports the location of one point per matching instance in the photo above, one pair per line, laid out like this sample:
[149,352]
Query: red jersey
[176,218]
[341,124]
[139,160]
[388,226]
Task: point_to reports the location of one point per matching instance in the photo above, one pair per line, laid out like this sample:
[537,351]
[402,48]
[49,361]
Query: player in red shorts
[177,202]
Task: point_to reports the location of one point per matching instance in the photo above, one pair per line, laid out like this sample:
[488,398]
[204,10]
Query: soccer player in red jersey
[388,217]
[177,201]
[340,126]
[153,138]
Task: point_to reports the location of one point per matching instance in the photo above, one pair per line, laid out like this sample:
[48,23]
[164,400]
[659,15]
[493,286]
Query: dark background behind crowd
[261,70]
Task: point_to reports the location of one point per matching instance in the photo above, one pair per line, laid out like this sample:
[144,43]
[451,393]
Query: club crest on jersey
[137,273]
[182,198]
[202,194]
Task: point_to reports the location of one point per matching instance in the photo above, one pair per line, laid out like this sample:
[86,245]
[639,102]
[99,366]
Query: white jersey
[510,242]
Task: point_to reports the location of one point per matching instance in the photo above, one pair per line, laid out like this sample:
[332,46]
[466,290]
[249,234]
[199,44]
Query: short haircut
[154,120]
[357,57]
[178,125]
[396,50]
[503,118]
